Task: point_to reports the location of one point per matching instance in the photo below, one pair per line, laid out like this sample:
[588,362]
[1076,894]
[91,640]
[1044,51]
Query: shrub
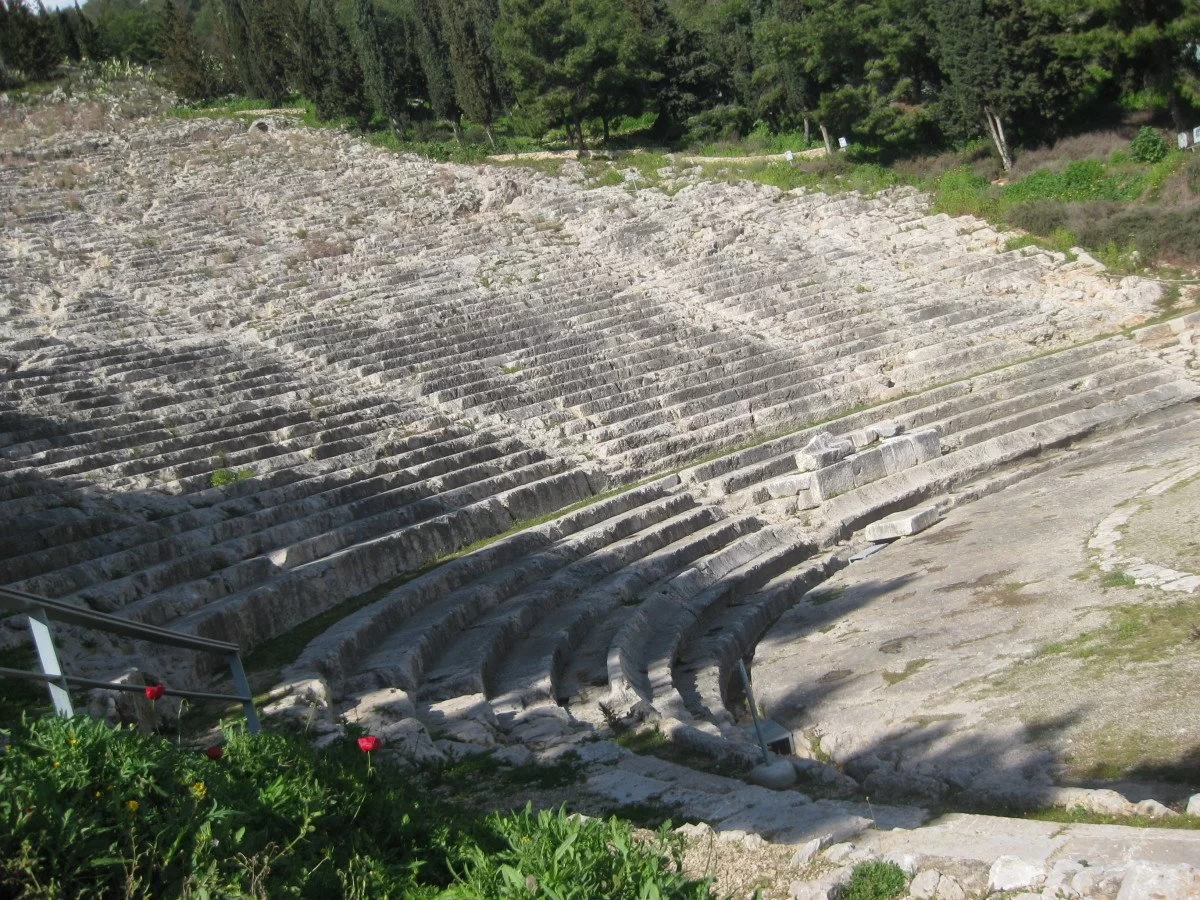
[1037,217]
[961,192]
[874,881]
[1148,146]
[86,810]
[717,123]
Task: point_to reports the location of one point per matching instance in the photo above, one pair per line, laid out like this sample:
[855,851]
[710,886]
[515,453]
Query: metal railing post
[43,639]
[242,685]
[754,711]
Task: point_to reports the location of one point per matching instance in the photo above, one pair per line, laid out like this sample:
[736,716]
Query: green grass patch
[1079,816]
[652,742]
[223,477]
[1118,580]
[1134,633]
[911,668]
[96,811]
[874,881]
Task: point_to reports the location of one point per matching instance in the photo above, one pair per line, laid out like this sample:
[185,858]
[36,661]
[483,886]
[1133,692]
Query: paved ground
[994,647]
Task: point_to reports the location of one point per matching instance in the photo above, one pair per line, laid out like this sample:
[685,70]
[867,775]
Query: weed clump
[874,881]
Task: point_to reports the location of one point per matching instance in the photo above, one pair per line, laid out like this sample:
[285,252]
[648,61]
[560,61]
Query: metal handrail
[42,610]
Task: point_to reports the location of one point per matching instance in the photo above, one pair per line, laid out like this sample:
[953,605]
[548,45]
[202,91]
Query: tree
[391,74]
[468,28]
[330,72]
[1146,44]
[29,43]
[572,60]
[684,76]
[434,53]
[190,72]
[263,39]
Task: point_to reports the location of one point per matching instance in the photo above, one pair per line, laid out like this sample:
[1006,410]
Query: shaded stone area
[990,657]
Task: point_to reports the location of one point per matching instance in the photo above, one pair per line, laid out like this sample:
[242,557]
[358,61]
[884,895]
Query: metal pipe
[754,711]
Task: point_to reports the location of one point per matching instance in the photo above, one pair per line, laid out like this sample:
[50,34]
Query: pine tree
[468,32]
[29,44]
[572,61]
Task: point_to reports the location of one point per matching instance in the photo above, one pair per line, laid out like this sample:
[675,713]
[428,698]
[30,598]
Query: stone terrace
[253,375]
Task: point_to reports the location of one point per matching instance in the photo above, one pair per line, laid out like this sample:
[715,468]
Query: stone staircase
[230,411]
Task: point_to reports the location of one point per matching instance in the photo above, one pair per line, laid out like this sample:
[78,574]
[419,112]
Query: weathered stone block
[902,524]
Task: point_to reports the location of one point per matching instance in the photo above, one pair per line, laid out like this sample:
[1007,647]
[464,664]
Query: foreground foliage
[90,811]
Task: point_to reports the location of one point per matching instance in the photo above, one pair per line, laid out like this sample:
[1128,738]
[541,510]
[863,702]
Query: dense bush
[90,811]
[1148,146]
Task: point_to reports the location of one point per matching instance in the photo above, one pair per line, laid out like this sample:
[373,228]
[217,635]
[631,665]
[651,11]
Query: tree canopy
[896,75]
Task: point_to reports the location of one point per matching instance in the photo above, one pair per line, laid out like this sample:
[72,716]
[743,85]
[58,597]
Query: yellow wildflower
[56,764]
[199,791]
[132,805]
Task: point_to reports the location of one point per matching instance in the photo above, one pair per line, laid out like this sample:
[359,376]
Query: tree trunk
[806,133]
[604,119]
[825,137]
[454,123]
[996,130]
[579,136]
[1175,108]
[487,129]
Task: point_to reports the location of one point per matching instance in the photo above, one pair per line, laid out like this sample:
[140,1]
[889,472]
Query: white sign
[789,156]
[843,143]
[1196,135]
[1182,136]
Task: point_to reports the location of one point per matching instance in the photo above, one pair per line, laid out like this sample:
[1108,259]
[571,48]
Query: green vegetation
[222,477]
[1077,815]
[911,668]
[874,881]
[86,810]
[652,742]
[1118,580]
[1134,633]
[989,88]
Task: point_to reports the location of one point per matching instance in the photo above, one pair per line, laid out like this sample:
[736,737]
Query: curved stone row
[256,376]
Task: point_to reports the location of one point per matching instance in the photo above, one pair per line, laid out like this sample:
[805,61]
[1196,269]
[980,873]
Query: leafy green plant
[1148,146]
[553,854]
[87,810]
[874,881]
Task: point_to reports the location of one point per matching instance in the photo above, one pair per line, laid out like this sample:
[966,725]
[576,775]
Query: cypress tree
[468,31]
[390,73]
[434,54]
[261,35]
[335,79]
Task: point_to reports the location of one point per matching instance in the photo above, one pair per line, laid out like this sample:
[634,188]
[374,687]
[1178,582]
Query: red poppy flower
[369,742]
[214,752]
[155,692]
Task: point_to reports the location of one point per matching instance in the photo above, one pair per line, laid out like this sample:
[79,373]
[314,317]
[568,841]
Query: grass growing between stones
[652,742]
[1079,816]
[86,810]
[1135,633]
[911,668]
[874,881]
